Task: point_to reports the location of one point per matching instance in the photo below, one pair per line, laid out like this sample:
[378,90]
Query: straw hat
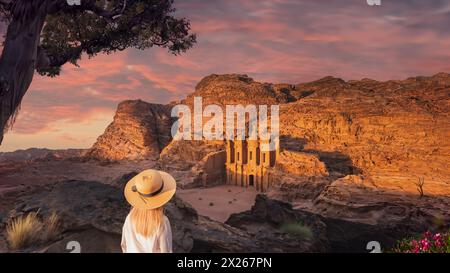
[150,189]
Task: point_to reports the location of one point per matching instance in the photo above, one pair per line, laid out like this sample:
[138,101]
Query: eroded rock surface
[139,130]
[266,219]
[349,149]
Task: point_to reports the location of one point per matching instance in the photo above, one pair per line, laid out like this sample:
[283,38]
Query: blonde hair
[147,222]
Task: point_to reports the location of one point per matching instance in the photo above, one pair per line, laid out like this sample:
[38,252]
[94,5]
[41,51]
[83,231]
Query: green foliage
[142,24]
[297,229]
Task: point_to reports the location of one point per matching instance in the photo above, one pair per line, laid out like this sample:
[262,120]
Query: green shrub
[297,229]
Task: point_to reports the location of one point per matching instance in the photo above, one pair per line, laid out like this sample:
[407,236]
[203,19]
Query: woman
[146,228]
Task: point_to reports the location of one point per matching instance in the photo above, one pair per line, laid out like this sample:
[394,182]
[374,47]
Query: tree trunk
[18,60]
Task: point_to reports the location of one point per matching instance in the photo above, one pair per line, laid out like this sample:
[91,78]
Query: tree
[419,185]
[43,35]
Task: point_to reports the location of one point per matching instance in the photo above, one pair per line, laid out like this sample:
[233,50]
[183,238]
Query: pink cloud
[273,41]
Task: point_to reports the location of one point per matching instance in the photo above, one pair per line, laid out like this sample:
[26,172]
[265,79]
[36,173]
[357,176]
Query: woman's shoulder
[128,218]
[166,223]
[166,220]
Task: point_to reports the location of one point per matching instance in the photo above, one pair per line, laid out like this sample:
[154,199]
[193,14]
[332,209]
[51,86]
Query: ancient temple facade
[247,164]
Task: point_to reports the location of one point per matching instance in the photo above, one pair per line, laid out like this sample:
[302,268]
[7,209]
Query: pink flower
[437,237]
[425,245]
[439,242]
[415,246]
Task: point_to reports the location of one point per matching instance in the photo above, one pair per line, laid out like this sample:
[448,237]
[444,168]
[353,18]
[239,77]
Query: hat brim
[140,202]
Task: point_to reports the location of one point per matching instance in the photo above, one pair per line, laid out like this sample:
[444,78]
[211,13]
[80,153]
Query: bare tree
[419,184]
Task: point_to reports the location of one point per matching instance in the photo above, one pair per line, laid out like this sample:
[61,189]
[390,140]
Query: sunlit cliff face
[274,41]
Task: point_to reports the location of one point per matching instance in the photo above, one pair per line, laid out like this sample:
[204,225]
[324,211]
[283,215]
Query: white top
[160,242]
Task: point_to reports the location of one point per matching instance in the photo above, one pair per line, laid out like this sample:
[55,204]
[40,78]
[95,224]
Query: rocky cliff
[349,149]
[376,140]
[240,89]
[139,130]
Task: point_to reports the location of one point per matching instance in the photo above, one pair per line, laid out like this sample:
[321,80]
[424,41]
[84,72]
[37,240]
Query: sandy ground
[39,173]
[219,202]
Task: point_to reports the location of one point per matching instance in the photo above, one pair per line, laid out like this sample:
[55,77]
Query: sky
[289,41]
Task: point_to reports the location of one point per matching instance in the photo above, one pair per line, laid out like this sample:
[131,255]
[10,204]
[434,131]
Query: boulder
[265,222]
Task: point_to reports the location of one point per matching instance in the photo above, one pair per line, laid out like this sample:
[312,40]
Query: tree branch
[45,61]
[92,7]
[5,2]
[5,5]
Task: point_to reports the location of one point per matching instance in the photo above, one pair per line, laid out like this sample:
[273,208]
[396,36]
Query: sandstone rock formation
[240,89]
[220,90]
[393,132]
[349,149]
[139,130]
[376,140]
[385,134]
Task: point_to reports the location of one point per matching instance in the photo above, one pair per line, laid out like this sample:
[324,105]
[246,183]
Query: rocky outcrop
[265,221]
[189,152]
[240,89]
[356,198]
[224,90]
[34,154]
[87,208]
[213,169]
[351,149]
[267,217]
[92,214]
[376,140]
[301,164]
[377,128]
[392,132]
[139,130]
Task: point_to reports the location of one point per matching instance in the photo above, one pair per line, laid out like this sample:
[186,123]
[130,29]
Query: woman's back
[159,242]
[146,228]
